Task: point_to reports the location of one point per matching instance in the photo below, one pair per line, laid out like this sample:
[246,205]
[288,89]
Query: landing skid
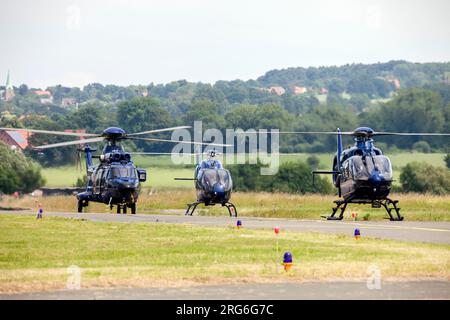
[387,203]
[122,208]
[230,206]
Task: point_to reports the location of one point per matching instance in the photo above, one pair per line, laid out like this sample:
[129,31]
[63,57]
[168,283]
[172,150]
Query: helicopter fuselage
[365,173]
[115,181]
[362,175]
[213,183]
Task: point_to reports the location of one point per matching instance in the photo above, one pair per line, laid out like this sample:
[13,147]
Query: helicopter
[115,180]
[362,174]
[213,184]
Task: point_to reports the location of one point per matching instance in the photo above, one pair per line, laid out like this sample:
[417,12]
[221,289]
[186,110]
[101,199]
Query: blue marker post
[357,234]
[287,261]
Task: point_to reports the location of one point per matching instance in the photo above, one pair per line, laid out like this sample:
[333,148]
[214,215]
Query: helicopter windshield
[363,170]
[123,172]
[210,177]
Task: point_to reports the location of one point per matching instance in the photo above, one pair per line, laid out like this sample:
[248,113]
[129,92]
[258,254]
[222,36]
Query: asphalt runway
[430,232]
[336,290]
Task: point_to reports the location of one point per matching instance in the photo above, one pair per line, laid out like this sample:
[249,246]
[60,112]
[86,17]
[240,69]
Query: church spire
[9,90]
[8,82]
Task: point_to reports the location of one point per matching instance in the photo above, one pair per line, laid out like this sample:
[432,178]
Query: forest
[343,97]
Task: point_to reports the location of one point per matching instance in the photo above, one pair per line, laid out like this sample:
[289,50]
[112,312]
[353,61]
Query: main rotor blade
[163,153]
[217,154]
[69,143]
[345,133]
[180,141]
[351,133]
[409,134]
[159,130]
[59,133]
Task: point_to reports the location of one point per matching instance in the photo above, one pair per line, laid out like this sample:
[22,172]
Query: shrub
[313,162]
[18,173]
[447,160]
[423,177]
[81,182]
[292,177]
[421,146]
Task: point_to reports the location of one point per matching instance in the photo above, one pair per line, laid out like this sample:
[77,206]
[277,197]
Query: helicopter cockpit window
[123,172]
[384,166]
[363,169]
[224,177]
[211,176]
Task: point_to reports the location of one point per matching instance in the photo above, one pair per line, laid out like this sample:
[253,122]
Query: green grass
[400,160]
[161,171]
[157,177]
[61,176]
[163,178]
[35,255]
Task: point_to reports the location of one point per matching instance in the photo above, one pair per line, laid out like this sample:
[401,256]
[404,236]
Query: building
[67,102]
[9,90]
[299,90]
[19,139]
[45,96]
[395,82]
[15,139]
[277,90]
[43,93]
[76,131]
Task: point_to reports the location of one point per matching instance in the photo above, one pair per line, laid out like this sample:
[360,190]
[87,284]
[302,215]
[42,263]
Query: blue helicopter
[213,183]
[115,180]
[362,174]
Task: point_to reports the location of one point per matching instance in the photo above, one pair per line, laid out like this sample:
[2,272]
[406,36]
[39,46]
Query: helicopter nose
[375,177]
[125,184]
[219,190]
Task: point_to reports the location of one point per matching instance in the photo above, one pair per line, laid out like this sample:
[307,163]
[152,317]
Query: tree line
[358,95]
[410,110]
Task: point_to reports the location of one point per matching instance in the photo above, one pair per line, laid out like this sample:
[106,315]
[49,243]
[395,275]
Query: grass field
[415,207]
[161,171]
[35,255]
[159,178]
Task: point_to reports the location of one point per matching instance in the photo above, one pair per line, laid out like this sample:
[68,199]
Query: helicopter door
[97,183]
[346,171]
[103,180]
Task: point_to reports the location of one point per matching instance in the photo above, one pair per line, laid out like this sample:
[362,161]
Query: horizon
[77,42]
[204,82]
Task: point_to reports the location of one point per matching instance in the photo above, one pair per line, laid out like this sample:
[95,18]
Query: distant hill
[296,89]
[373,79]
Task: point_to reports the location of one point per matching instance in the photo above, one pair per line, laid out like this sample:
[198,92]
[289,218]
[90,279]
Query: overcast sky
[137,42]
